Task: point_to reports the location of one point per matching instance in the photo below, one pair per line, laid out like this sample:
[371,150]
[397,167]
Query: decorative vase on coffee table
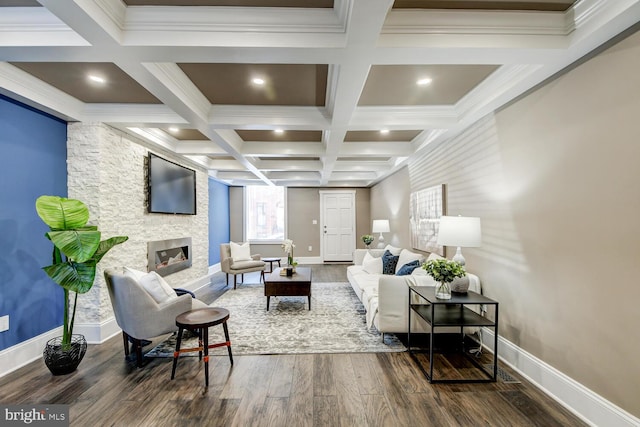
[443,290]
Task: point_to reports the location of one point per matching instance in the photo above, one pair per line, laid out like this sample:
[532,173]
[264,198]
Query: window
[264,213]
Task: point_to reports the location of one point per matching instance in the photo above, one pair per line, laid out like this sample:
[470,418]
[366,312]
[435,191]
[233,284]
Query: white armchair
[230,266]
[137,311]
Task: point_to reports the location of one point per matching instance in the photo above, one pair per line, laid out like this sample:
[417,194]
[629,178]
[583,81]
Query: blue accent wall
[33,147]
[218,219]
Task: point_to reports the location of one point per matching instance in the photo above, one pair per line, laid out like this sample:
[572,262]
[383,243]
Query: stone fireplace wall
[106,170]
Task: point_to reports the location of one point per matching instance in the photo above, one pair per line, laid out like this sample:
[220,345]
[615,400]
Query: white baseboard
[214,268]
[584,403]
[97,333]
[19,355]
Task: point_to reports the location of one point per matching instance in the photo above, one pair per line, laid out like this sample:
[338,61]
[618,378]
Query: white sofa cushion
[371,264]
[394,251]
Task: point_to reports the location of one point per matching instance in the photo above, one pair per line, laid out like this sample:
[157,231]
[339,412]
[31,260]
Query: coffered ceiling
[292,92]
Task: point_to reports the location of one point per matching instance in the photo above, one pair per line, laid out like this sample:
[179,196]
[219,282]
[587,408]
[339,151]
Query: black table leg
[176,354]
[226,336]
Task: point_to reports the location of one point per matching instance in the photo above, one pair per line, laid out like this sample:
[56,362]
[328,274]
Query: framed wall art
[425,209]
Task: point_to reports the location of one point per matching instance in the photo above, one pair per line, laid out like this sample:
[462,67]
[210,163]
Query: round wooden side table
[199,321]
[271,260]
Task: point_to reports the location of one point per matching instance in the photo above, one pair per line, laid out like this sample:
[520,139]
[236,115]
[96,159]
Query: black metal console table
[452,312]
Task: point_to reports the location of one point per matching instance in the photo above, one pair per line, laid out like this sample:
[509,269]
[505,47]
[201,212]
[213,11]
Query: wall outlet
[310,248]
[4,323]
[314,222]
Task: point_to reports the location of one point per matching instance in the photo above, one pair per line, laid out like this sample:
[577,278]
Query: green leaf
[60,213]
[79,246]
[75,277]
[106,245]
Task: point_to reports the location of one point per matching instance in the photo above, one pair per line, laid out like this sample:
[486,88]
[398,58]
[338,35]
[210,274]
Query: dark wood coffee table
[298,285]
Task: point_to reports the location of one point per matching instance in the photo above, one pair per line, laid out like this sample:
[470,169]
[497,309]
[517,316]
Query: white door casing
[338,225]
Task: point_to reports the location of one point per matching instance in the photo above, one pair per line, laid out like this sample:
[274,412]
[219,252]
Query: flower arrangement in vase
[367,239]
[444,272]
[287,247]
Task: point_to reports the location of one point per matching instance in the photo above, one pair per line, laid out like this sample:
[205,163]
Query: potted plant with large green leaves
[77,250]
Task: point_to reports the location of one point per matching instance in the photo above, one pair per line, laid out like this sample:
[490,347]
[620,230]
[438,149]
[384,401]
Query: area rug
[335,324]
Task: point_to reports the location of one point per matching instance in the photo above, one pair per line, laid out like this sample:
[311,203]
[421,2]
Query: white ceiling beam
[378,149]
[288,165]
[226,165]
[140,115]
[275,149]
[294,175]
[403,117]
[268,117]
[99,22]
[199,147]
[348,79]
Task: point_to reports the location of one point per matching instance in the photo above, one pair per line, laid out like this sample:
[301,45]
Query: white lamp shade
[380,226]
[462,231]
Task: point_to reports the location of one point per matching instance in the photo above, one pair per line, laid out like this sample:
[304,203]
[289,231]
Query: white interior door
[338,228]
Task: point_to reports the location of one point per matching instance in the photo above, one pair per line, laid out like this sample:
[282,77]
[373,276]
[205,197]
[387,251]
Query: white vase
[443,291]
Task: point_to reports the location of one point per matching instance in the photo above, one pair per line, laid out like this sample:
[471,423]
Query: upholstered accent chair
[241,264]
[145,306]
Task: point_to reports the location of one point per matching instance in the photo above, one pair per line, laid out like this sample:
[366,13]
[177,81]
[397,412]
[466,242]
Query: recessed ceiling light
[257,81]
[96,79]
[279,131]
[384,131]
[173,129]
[424,81]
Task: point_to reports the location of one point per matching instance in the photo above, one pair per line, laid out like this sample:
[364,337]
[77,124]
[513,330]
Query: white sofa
[386,297]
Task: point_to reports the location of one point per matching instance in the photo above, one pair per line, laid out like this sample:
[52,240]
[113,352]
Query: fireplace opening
[168,256]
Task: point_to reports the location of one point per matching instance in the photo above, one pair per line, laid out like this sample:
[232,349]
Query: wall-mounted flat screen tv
[172,188]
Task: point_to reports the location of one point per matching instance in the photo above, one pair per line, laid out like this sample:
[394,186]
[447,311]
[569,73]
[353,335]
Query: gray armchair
[138,314]
[229,266]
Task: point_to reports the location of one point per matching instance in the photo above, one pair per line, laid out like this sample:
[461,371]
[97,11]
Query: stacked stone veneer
[107,171]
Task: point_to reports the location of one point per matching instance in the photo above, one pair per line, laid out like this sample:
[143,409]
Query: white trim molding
[19,355]
[581,401]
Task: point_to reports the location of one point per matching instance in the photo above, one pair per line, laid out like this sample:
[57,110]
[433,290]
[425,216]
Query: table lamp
[459,231]
[380,226]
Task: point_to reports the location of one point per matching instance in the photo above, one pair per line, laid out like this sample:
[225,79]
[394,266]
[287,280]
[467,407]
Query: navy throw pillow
[389,262]
[408,268]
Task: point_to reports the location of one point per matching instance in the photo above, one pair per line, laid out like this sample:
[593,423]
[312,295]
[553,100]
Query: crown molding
[35,26]
[233,26]
[475,22]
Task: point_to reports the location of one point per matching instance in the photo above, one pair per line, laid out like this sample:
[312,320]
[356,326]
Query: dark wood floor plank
[377,411]
[282,377]
[324,411]
[240,379]
[275,412]
[323,384]
[394,390]
[252,406]
[366,378]
[350,407]
[300,408]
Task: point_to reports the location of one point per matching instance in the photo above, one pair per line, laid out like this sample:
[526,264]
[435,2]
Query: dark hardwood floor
[367,389]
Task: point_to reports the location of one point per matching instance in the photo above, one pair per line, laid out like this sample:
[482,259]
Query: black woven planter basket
[64,361]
